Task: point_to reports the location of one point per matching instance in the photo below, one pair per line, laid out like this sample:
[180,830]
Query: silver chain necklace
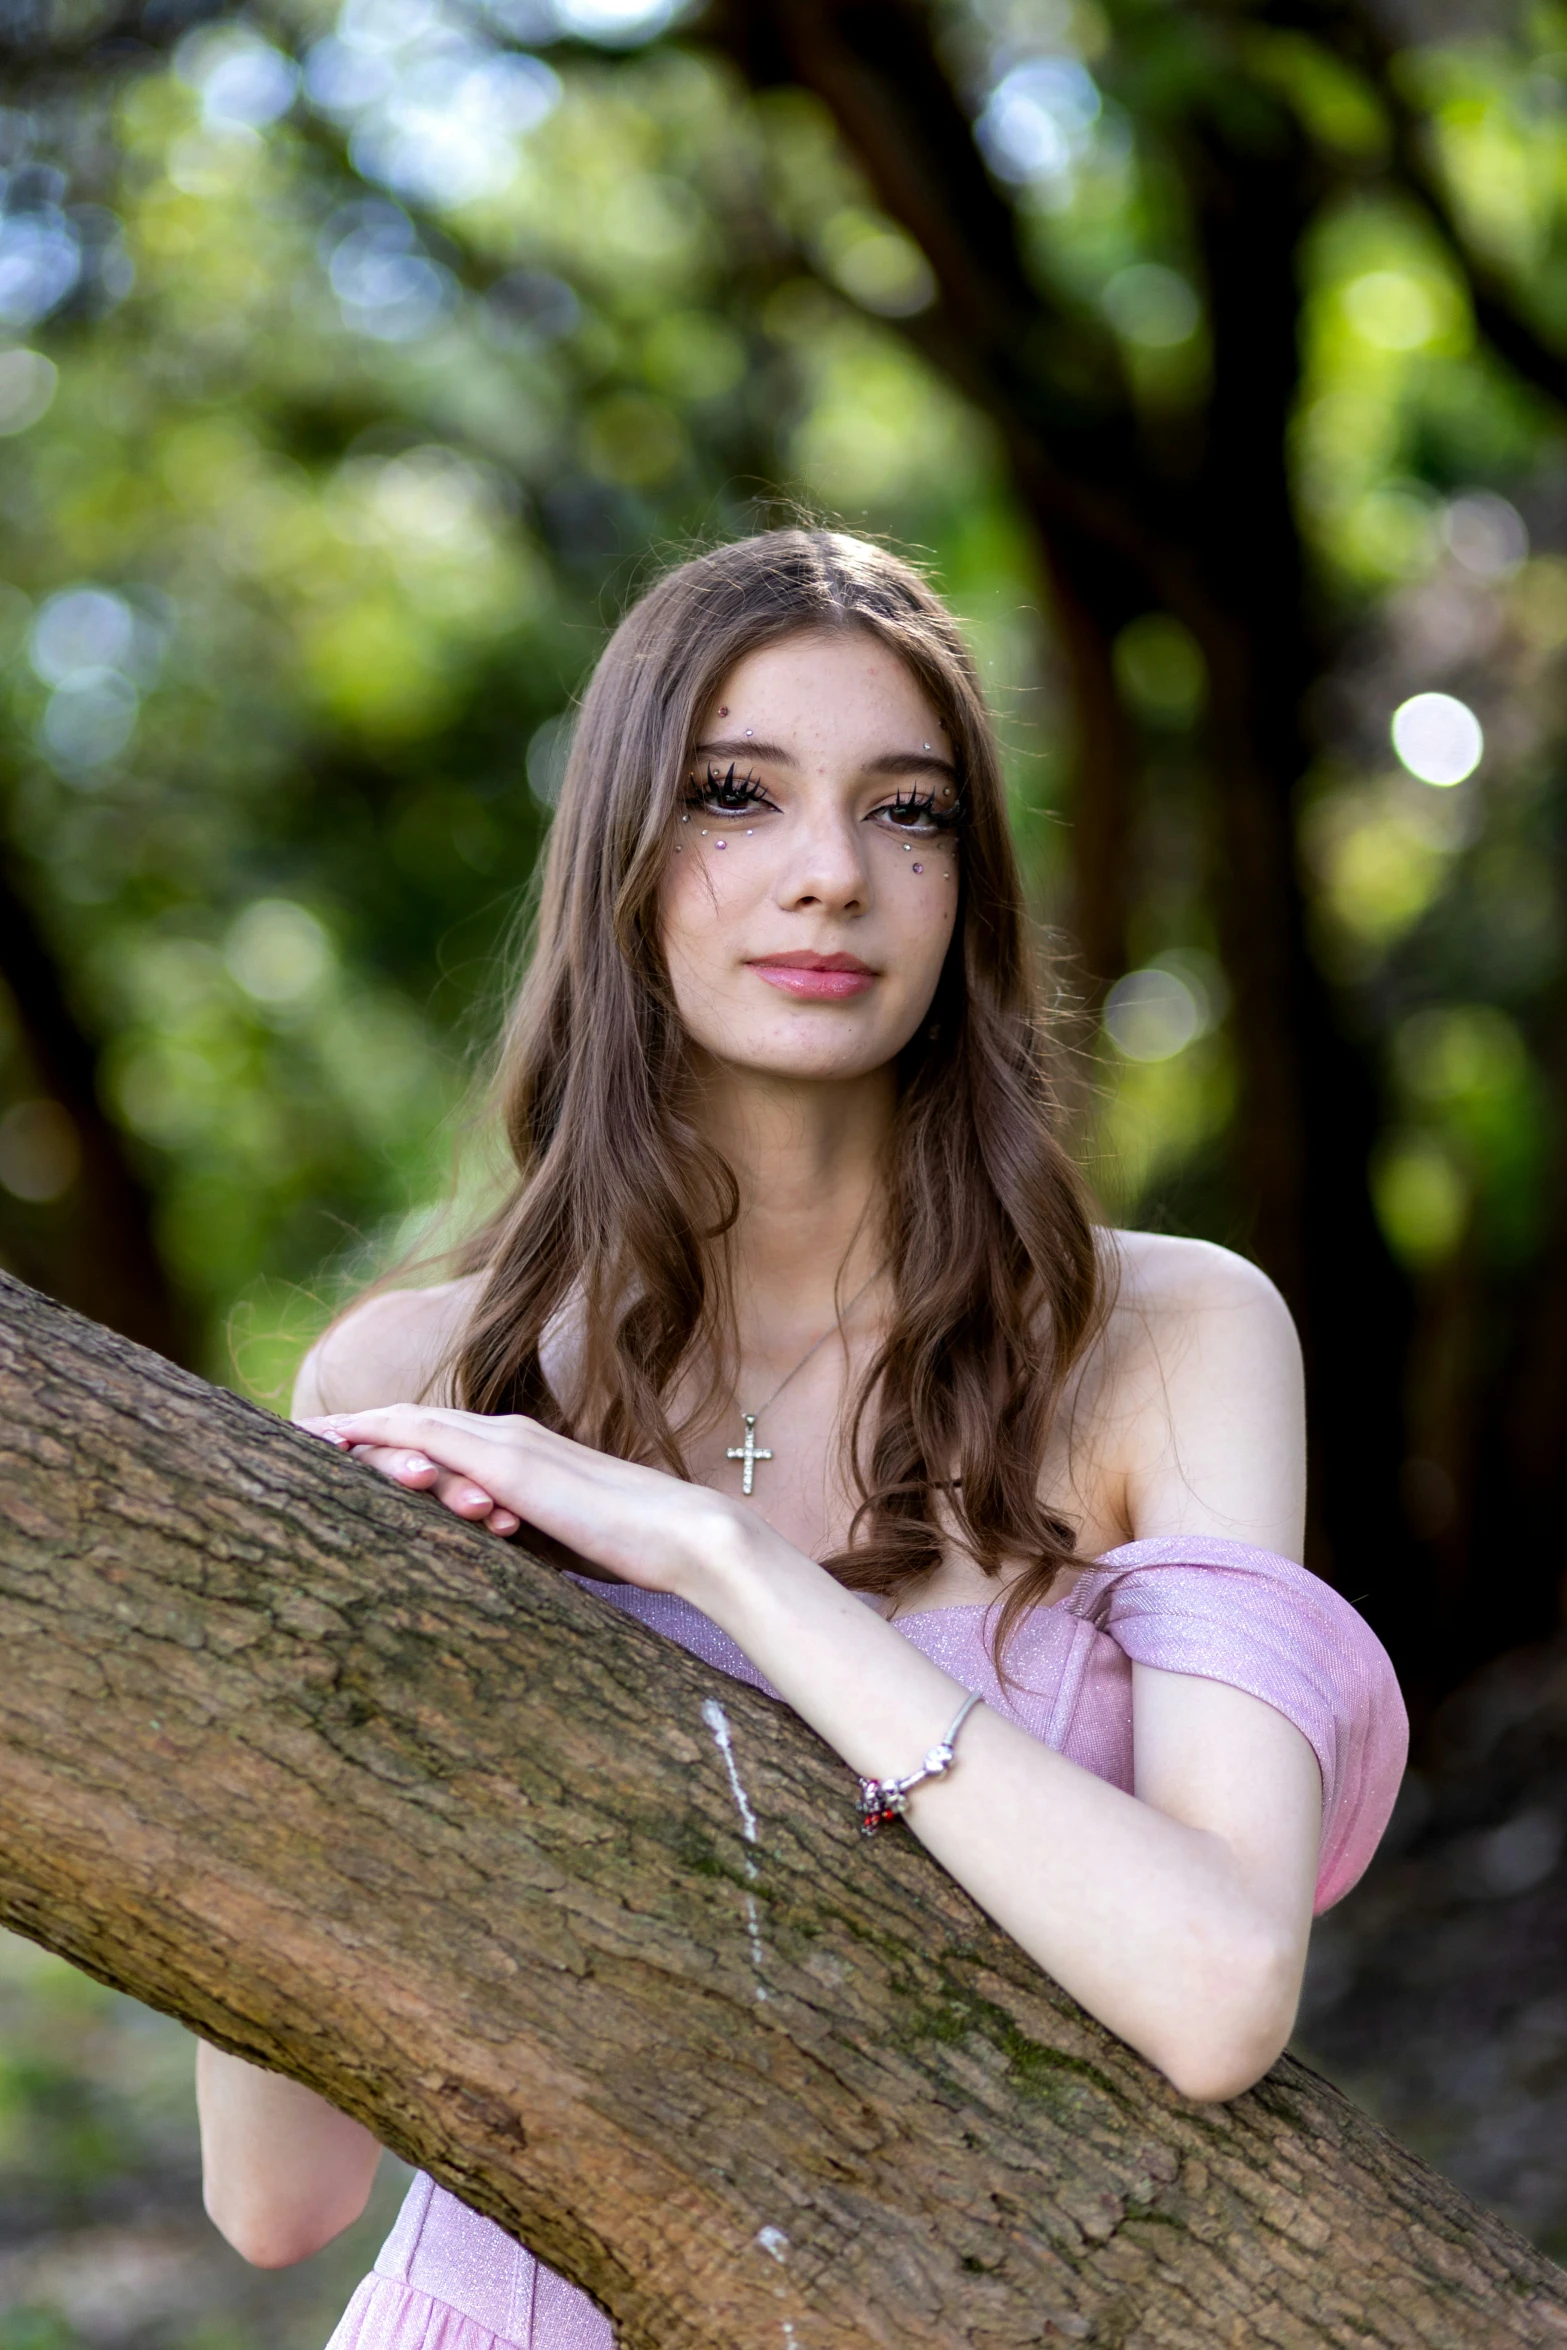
[749,1452]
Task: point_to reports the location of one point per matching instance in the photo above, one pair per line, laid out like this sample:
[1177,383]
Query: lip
[816,978]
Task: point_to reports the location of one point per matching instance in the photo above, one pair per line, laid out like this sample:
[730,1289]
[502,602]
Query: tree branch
[993,331]
[367,1798]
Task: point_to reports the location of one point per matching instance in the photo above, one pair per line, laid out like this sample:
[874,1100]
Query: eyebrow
[890,762]
[744,747]
[911,763]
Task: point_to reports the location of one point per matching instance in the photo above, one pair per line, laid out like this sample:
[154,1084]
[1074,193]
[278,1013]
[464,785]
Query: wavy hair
[620,1211]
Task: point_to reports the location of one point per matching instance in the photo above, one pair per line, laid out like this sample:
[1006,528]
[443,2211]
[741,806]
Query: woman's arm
[1178,1915]
[282,2172]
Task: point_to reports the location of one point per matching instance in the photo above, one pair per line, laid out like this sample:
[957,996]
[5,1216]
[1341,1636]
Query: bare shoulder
[1175,1310]
[387,1349]
[1202,1392]
[1163,1282]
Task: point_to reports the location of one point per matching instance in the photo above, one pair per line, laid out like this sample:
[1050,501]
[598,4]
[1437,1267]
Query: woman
[796,1326]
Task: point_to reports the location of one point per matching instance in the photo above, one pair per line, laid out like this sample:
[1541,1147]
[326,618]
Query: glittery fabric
[447,2280]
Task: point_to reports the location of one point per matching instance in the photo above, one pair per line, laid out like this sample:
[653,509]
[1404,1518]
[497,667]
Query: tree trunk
[586,1930]
[97,1246]
[1309,1114]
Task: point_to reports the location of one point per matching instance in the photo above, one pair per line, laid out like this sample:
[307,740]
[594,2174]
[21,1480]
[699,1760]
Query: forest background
[356,367]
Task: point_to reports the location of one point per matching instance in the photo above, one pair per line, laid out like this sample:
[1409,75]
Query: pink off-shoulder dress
[447,2280]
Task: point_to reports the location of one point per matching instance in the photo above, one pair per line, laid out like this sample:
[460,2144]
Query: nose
[827,870]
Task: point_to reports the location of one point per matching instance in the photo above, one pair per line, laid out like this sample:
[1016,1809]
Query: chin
[811,1059]
[810,1068]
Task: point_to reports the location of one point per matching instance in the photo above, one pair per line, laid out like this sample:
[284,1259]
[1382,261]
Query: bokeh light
[616,23]
[1421,1197]
[1438,738]
[40,263]
[1152,1014]
[1152,305]
[1039,119]
[27,387]
[548,750]
[40,1152]
[1393,310]
[84,628]
[387,285]
[89,719]
[278,952]
[1486,534]
[244,83]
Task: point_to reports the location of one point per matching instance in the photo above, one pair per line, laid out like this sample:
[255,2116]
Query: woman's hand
[420,1474]
[636,1524]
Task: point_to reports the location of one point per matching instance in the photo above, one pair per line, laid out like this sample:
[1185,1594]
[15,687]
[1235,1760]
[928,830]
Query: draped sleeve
[1224,1612]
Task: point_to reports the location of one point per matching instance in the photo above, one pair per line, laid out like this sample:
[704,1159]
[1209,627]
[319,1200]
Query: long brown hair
[620,1211]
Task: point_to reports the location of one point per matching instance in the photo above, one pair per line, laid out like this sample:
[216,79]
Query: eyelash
[746,792]
[923,805]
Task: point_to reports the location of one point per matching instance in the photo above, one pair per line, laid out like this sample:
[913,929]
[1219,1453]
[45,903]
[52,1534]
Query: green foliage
[369,418]
[358,486]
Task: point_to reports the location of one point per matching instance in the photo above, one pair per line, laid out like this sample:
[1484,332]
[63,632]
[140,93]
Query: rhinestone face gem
[919,868]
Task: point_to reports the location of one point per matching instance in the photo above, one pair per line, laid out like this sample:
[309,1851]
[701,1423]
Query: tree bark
[586,1930]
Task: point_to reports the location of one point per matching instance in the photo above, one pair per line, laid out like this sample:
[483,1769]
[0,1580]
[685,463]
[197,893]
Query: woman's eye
[726,794]
[917,813]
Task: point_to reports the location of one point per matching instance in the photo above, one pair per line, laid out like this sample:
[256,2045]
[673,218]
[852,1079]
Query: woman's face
[809,905]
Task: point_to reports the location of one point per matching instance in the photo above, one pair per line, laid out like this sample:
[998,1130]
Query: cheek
[704,890]
[922,893]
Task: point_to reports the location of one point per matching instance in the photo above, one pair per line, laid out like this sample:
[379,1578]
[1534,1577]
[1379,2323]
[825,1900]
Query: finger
[462,1496]
[420,1474]
[393,1423]
[469,1444]
[414,1469]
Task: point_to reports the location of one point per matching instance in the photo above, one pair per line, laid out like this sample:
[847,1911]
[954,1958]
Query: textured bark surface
[586,1930]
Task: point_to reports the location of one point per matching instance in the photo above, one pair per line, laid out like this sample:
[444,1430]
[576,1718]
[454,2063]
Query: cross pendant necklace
[750,1452]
